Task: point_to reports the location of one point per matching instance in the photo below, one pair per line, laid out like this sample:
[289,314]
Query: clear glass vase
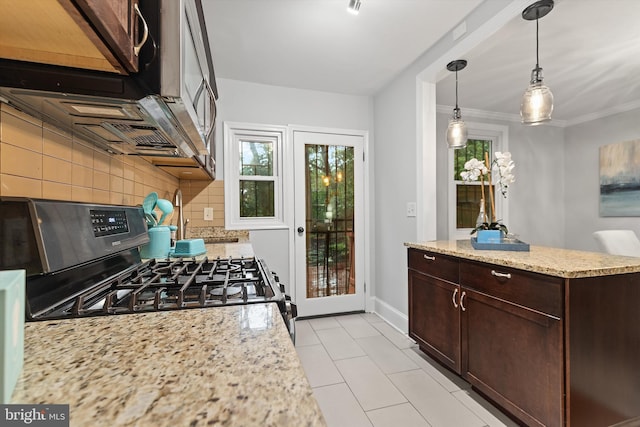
[481,215]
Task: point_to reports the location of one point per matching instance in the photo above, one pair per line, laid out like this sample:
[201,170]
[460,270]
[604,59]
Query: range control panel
[108,222]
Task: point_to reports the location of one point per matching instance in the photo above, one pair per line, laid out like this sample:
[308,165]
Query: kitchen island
[540,259]
[229,365]
[550,335]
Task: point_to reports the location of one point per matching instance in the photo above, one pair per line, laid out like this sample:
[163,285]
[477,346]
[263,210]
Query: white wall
[273,105]
[395,183]
[581,177]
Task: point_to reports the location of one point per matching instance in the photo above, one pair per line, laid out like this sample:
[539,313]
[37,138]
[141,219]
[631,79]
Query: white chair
[618,242]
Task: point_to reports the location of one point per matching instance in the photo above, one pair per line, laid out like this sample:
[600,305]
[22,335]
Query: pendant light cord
[537,46]
[457,90]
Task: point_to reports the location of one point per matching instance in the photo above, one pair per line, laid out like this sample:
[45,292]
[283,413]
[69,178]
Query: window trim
[233,133]
[500,142]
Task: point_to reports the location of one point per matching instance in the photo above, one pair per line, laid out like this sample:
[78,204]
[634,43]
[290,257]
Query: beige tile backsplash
[198,195]
[37,160]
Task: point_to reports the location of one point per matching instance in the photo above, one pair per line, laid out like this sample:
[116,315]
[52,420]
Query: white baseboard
[393,316]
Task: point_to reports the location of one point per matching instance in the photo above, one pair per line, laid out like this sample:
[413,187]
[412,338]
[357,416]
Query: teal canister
[12,294]
[159,243]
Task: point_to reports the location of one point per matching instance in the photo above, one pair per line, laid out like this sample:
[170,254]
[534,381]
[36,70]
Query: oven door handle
[292,330]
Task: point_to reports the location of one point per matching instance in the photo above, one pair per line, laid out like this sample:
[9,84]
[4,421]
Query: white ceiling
[589,50]
[317,44]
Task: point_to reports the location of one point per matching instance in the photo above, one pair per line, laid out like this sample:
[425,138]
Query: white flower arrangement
[502,166]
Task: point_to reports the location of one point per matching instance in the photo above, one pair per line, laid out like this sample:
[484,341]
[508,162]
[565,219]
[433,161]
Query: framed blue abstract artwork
[620,179]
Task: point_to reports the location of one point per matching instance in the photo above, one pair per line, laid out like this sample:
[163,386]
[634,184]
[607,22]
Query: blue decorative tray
[509,245]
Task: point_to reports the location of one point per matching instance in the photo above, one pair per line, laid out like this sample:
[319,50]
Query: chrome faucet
[177,201]
[186,222]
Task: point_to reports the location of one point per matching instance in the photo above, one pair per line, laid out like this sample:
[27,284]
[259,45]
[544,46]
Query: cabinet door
[86,34]
[514,356]
[434,317]
[115,21]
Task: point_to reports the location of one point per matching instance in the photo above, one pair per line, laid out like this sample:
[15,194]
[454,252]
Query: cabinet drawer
[531,290]
[434,264]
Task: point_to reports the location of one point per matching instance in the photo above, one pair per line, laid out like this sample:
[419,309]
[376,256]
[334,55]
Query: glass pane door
[329,222]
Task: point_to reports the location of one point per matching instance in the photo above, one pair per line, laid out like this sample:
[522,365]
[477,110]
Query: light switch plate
[411,209]
[12,313]
[208,214]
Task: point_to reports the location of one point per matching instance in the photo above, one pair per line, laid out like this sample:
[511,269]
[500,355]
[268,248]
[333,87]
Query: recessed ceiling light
[354,6]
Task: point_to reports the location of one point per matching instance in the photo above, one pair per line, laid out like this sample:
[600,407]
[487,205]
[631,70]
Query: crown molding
[493,115]
[623,108]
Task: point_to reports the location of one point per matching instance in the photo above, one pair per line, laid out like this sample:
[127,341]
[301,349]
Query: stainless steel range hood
[146,127]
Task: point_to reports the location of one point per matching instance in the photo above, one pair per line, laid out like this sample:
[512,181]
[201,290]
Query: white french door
[329,222]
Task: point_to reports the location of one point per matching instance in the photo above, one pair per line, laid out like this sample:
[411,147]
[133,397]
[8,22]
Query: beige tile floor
[364,372]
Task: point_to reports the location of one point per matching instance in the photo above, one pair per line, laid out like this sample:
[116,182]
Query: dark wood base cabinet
[550,351]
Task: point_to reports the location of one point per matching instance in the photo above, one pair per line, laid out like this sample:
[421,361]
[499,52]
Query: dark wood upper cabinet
[116,22]
[88,34]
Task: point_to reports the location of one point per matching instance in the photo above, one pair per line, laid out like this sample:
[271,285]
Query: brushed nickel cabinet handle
[453,298]
[430,258]
[504,275]
[462,301]
[145,31]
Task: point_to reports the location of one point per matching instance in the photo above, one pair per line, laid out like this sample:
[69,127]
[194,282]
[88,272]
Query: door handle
[198,94]
[145,31]
[501,275]
[453,298]
[300,230]
[462,301]
[212,115]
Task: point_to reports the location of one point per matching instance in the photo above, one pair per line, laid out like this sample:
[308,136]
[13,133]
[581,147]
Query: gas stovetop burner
[172,284]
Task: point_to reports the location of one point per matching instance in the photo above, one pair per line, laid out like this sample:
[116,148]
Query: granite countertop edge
[564,263]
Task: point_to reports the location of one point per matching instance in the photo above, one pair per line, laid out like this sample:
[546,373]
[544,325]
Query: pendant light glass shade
[457,133]
[537,101]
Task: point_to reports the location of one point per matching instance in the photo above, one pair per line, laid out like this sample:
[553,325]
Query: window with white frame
[465,197]
[253,162]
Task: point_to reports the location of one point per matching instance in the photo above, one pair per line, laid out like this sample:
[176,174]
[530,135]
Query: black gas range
[83,260]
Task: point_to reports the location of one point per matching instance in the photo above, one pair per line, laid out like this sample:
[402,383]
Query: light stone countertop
[226,250]
[558,262]
[231,366]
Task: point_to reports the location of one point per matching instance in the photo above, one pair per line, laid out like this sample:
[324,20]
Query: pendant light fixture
[537,101]
[457,130]
[354,6]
